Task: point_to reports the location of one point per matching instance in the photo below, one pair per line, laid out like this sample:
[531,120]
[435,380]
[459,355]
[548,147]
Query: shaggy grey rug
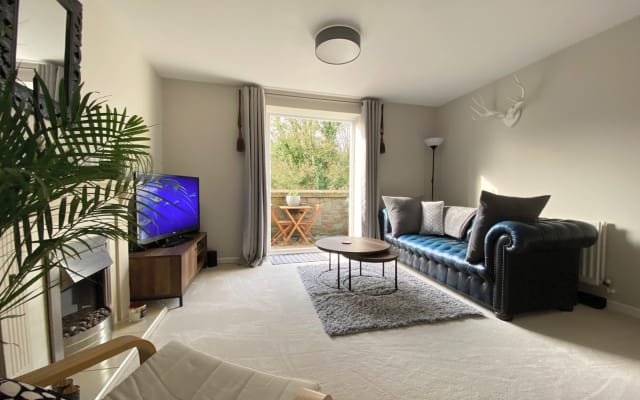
[298,258]
[373,302]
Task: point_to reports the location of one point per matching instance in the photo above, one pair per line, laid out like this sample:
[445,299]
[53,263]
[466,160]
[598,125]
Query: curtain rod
[310,97]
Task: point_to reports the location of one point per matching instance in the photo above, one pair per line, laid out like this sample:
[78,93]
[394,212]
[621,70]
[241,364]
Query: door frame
[310,113]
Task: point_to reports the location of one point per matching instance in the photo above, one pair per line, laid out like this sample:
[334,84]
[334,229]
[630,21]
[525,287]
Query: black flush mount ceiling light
[337,44]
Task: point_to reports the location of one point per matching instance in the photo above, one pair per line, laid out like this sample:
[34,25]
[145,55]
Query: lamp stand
[433,142]
[433,166]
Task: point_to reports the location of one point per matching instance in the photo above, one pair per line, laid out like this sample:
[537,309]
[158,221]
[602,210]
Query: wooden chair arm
[308,394]
[84,359]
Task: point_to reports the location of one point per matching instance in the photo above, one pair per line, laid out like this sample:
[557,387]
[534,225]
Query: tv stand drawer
[166,272]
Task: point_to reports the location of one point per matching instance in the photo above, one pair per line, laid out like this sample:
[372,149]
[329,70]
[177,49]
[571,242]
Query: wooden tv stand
[166,272]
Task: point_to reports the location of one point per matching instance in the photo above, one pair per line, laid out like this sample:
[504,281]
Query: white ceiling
[424,52]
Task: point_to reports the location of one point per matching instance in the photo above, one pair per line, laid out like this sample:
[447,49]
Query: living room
[568,151]
[575,141]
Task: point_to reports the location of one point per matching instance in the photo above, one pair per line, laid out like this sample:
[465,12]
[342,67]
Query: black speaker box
[592,300]
[212,258]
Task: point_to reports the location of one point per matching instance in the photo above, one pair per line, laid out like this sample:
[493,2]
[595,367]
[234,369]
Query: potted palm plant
[61,179]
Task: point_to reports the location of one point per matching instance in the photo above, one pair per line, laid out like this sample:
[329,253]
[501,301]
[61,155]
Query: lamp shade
[433,141]
[337,44]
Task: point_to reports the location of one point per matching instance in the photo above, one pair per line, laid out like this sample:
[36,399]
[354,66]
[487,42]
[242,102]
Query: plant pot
[293,200]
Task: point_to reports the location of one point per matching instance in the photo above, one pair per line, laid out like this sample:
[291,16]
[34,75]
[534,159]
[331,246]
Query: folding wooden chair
[307,223]
[283,227]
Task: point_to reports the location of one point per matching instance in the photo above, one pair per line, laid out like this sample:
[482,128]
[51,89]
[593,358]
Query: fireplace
[86,316]
[80,301]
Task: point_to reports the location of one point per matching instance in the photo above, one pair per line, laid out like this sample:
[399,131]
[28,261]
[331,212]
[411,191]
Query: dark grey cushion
[494,208]
[405,214]
[457,220]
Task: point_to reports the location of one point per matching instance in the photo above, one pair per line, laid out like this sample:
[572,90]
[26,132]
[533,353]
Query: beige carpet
[263,318]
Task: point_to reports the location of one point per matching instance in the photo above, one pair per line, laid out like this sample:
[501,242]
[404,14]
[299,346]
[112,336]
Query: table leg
[329,261]
[396,274]
[296,224]
[382,268]
[349,274]
[338,270]
[293,226]
[360,268]
[300,218]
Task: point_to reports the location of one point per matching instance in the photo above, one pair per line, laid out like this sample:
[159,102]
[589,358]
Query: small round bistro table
[356,248]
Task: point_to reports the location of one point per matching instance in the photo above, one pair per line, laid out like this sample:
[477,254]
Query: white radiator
[17,354]
[593,259]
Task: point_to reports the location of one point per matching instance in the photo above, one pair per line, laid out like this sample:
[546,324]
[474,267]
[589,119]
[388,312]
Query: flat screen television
[166,207]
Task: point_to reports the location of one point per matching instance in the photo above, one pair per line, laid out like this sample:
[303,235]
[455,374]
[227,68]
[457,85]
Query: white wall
[578,141]
[200,127]
[115,67]
[404,166]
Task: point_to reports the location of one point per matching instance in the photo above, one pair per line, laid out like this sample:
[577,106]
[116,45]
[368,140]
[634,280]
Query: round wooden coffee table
[352,248]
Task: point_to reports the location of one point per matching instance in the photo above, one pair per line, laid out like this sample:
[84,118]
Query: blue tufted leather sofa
[527,266]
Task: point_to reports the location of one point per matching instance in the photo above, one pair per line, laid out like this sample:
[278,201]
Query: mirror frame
[9,10]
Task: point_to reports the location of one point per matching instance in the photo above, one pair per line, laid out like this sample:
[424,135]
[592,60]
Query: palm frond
[62,179]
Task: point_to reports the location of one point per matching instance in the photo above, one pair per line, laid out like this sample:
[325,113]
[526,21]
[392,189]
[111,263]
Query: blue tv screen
[166,206]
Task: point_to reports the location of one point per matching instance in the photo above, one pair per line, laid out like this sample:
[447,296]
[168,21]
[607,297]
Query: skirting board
[229,260]
[623,309]
[614,306]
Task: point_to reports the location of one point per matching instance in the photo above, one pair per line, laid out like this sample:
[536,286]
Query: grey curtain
[254,196]
[371,121]
[51,74]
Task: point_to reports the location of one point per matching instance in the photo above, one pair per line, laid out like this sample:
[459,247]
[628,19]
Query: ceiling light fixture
[337,44]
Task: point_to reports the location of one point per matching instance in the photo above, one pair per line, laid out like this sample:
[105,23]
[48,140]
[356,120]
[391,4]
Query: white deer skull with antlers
[509,117]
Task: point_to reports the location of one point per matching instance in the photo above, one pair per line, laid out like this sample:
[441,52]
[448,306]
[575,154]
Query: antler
[511,116]
[481,109]
[519,84]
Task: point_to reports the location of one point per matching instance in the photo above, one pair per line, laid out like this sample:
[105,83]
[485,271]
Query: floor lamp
[433,142]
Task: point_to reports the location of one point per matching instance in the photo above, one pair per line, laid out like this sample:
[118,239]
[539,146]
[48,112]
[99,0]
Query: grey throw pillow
[404,214]
[457,220]
[494,208]
[432,218]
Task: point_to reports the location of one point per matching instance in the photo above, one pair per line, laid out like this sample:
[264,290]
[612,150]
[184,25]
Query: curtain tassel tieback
[383,148]
[240,141]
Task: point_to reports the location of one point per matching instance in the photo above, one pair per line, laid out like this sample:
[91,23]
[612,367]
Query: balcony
[333,218]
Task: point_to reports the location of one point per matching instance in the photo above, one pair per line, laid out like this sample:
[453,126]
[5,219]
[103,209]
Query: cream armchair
[178,372]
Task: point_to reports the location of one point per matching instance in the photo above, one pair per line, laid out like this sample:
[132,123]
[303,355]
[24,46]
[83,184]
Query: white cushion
[181,373]
[432,218]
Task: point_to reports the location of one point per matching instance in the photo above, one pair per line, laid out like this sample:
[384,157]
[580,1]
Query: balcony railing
[332,220]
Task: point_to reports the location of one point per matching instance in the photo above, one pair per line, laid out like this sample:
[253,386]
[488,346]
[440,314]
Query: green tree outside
[309,154]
